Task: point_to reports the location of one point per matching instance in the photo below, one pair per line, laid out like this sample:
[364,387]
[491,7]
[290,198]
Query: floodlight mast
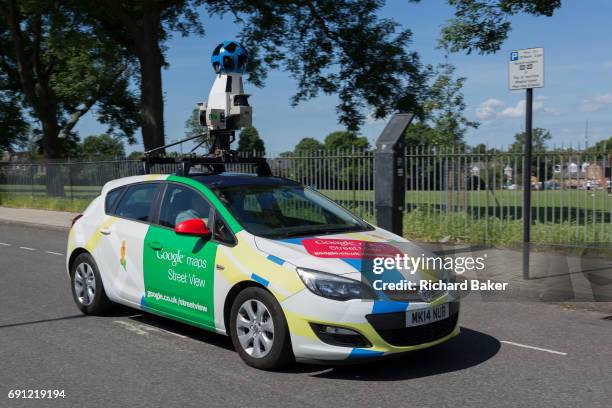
[226,111]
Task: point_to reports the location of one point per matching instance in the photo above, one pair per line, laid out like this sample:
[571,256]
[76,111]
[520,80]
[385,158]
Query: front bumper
[382,324]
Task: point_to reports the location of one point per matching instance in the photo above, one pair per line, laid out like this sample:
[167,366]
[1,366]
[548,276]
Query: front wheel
[259,330]
[87,289]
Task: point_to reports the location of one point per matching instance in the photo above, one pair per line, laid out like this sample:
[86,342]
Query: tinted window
[136,202]
[180,204]
[111,197]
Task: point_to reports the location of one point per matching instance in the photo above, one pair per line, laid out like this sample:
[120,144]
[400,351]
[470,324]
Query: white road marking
[54,253]
[143,328]
[131,327]
[533,347]
[4,244]
[27,248]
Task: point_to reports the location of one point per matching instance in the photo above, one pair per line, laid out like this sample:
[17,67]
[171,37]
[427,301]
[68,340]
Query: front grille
[388,326]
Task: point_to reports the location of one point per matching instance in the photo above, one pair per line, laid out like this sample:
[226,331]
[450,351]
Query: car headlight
[334,287]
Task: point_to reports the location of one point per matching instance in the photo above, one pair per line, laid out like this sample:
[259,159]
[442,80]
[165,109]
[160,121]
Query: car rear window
[111,198]
[137,201]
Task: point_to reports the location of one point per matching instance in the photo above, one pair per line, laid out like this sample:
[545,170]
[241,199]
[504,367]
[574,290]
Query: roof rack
[214,161]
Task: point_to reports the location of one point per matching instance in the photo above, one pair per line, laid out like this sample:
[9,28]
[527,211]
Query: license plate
[425,316]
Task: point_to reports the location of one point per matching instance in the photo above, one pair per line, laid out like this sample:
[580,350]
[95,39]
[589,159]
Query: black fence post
[389,176]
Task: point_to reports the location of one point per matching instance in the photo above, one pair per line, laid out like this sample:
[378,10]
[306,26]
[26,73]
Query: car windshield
[282,211]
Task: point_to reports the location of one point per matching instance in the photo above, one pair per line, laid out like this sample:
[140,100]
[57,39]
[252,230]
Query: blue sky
[578,79]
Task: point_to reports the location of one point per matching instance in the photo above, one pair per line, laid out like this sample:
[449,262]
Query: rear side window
[137,201]
[111,198]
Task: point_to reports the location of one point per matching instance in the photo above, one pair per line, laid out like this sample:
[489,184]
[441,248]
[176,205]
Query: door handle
[155,245]
[105,231]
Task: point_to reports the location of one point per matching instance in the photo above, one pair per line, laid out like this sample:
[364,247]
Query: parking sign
[526,69]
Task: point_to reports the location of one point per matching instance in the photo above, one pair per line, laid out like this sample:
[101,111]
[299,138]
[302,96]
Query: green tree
[336,47]
[480,148]
[135,155]
[345,140]
[63,70]
[419,134]
[308,145]
[250,141]
[192,124]
[445,107]
[102,145]
[341,47]
[483,25]
[444,124]
[601,147]
[540,137]
[14,129]
[193,128]
[142,27]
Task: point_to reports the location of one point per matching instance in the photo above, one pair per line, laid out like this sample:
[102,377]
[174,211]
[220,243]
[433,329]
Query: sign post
[527,182]
[526,71]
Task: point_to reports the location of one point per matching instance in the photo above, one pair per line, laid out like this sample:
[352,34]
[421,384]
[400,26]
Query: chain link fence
[450,195]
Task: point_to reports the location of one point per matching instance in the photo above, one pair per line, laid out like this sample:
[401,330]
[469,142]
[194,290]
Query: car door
[120,250]
[179,269]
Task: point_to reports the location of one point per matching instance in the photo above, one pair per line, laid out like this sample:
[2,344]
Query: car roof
[228,179]
[211,180]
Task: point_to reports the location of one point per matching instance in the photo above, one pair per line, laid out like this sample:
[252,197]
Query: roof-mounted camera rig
[226,111]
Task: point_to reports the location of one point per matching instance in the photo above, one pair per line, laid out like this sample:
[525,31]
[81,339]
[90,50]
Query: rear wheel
[87,288]
[259,330]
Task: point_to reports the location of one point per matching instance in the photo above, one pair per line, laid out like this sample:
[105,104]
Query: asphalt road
[140,360]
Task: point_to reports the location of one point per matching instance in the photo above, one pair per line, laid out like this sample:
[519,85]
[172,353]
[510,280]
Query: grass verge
[44,203]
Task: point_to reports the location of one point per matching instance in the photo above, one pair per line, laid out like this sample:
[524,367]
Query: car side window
[180,204]
[221,232]
[137,201]
[110,199]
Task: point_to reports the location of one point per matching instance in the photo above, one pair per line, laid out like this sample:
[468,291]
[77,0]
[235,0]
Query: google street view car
[275,265]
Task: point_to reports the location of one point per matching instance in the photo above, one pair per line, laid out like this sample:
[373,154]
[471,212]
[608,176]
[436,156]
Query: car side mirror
[195,227]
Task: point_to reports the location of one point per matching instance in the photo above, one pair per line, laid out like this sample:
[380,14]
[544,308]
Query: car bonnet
[338,254]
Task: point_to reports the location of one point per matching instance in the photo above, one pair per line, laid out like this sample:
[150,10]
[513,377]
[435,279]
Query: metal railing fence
[450,194]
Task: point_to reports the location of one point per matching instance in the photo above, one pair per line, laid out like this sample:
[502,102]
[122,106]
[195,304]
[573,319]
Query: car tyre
[86,286]
[259,331]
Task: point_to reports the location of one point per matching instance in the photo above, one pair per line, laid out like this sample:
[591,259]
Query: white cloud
[513,111]
[596,103]
[495,108]
[487,109]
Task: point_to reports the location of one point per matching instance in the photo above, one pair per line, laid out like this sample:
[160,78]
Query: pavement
[509,353]
[59,220]
[556,273]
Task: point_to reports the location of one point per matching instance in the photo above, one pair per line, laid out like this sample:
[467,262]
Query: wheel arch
[74,255]
[231,295]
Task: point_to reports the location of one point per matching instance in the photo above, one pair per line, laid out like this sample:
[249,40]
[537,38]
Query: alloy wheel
[255,328]
[84,283]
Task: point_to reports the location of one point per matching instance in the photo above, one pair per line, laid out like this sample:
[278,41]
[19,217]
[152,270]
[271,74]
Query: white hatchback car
[265,260]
